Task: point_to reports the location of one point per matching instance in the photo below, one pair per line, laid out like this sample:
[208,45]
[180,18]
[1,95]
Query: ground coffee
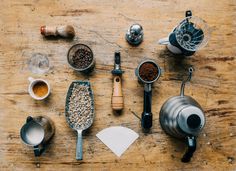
[148,71]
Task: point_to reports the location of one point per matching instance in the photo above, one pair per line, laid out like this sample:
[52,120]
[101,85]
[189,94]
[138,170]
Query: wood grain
[102,24]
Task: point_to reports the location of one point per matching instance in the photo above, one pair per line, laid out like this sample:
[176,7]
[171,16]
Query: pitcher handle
[29,118]
[31,79]
[164,41]
[37,151]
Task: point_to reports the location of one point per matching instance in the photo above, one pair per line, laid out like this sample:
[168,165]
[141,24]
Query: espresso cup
[39,89]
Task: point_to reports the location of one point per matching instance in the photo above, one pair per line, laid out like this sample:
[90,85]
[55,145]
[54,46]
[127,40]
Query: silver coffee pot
[182,117]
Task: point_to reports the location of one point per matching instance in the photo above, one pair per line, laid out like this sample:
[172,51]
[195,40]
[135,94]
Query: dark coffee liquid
[148,71]
[40,89]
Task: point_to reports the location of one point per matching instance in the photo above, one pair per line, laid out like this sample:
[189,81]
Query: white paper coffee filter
[117,138]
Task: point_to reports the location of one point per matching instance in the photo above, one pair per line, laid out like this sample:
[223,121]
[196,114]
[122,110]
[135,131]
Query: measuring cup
[81,126]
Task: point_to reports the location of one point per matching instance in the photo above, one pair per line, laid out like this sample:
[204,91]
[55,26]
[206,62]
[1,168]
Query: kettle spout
[190,72]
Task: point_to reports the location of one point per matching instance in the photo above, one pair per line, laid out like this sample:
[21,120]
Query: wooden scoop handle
[117,101]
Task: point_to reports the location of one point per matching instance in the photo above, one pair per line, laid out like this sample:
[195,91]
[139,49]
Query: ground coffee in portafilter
[82,58]
[148,71]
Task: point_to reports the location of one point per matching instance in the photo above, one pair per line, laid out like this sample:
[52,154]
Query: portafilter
[147,72]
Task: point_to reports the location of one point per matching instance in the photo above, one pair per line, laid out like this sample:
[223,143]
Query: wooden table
[102,26]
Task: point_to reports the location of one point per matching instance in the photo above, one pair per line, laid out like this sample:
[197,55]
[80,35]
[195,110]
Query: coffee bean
[82,58]
[80,113]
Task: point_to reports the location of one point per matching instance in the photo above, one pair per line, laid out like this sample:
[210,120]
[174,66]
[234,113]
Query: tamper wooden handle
[117,101]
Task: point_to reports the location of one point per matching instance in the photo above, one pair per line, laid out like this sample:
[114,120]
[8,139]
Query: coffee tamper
[117,101]
[134,35]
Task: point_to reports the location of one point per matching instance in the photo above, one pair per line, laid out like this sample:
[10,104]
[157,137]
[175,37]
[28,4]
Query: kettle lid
[191,120]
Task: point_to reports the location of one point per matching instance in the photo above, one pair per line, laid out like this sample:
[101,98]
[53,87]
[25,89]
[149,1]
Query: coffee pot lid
[191,120]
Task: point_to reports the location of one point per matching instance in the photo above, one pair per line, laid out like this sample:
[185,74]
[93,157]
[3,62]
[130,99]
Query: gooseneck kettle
[182,117]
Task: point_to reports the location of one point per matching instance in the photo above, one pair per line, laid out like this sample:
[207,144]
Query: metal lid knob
[134,35]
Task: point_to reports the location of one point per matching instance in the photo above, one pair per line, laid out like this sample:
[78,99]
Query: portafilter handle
[146,120]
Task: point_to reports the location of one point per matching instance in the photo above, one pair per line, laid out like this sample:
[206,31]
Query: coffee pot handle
[192,144]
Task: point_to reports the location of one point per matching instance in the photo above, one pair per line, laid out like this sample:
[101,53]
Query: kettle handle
[192,144]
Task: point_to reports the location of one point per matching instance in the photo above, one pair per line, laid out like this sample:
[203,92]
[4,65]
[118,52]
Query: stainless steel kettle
[182,117]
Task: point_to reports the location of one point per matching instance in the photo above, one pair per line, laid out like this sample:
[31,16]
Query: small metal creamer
[37,132]
[182,117]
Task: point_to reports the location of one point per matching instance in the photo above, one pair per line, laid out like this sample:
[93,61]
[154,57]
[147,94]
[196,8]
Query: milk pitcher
[37,132]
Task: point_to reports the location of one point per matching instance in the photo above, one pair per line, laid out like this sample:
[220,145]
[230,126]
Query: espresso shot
[40,89]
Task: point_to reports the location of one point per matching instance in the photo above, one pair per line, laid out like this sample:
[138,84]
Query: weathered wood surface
[102,25]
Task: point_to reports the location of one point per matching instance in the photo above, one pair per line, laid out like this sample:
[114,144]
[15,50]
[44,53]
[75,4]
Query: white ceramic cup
[31,85]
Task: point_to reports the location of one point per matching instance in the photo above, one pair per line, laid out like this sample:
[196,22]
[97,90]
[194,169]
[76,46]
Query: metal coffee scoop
[182,117]
[76,118]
